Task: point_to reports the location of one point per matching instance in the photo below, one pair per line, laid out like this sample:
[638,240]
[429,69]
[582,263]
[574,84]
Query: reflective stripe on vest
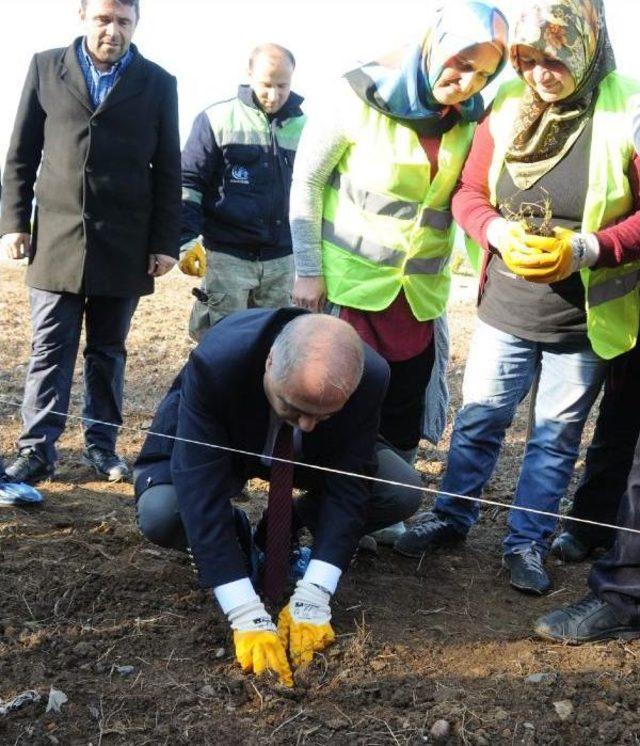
[380,204]
[612,298]
[235,123]
[381,255]
[613,289]
[191,195]
[359,246]
[419,266]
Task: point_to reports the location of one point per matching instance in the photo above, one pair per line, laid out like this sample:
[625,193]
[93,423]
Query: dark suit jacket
[219,398]
[108,191]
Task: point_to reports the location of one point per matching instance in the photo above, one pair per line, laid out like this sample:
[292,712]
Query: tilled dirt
[89,608]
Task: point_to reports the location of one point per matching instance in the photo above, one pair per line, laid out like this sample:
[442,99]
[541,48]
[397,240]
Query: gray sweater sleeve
[323,143]
[635,121]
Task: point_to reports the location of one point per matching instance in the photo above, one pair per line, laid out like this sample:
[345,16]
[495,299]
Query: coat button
[86,216]
[89,169]
[94,122]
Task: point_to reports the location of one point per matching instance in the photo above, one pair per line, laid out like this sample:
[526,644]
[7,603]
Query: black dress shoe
[428,532]
[527,571]
[106,463]
[585,621]
[29,468]
[569,548]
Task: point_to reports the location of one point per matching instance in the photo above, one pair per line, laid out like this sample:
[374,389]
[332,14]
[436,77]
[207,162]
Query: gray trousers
[234,284]
[159,517]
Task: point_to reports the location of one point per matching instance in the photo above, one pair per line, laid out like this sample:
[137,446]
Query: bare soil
[83,595]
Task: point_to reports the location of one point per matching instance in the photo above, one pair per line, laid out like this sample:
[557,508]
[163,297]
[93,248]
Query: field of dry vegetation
[89,608]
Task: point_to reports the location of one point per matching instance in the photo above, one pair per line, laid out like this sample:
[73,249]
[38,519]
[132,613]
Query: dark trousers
[403,406]
[616,577]
[159,517]
[57,322]
[610,454]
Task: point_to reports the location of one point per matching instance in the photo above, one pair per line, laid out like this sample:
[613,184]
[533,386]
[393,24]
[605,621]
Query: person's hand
[524,254]
[260,652]
[160,264]
[304,624]
[257,644]
[193,260]
[310,293]
[548,262]
[16,245]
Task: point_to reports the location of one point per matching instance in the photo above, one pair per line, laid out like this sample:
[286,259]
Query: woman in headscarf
[370,204]
[557,147]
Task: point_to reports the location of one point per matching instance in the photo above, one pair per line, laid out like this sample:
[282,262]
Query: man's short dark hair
[135,4]
[270,48]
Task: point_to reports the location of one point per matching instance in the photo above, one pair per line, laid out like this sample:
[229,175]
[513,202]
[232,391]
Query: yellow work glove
[304,625]
[516,249]
[568,253]
[193,259]
[257,644]
[260,652]
[551,260]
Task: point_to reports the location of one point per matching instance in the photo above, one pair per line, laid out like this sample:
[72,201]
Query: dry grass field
[89,608]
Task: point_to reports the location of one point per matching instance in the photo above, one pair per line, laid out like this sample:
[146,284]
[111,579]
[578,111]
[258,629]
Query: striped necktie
[279,510]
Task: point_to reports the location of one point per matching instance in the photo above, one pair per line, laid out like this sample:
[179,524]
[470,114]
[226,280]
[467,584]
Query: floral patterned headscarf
[574,32]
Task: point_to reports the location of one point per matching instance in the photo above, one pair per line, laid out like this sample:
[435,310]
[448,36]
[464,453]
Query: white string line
[316,467]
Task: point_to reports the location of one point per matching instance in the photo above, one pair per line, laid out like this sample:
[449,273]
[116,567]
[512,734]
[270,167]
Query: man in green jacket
[236,176]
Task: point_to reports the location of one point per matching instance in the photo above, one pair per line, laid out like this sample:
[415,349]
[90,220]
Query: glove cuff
[310,593]
[251,617]
[323,574]
[496,231]
[586,250]
[188,245]
[235,594]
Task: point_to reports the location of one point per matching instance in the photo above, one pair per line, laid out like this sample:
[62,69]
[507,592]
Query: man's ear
[269,363]
[81,13]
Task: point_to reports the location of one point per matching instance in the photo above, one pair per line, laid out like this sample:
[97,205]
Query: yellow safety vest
[612,297]
[386,224]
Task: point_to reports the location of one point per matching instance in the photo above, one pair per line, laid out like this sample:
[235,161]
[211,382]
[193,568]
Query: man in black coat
[96,142]
[252,373]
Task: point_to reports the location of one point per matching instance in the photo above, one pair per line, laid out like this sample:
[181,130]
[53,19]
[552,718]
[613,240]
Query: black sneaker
[568,548]
[428,532]
[585,621]
[106,463]
[527,571]
[29,468]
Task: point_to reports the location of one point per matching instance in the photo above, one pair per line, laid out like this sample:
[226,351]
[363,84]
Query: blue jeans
[500,371]
[57,322]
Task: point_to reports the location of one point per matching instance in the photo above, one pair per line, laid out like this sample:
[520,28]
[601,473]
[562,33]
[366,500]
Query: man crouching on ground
[291,386]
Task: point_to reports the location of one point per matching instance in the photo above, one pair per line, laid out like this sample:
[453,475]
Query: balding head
[273,51]
[270,71]
[314,366]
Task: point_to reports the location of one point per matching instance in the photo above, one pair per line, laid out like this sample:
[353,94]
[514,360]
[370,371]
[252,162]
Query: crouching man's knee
[409,500]
[401,502]
[159,519]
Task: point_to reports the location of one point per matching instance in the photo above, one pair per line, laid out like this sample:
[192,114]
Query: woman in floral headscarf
[370,204]
[557,148]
